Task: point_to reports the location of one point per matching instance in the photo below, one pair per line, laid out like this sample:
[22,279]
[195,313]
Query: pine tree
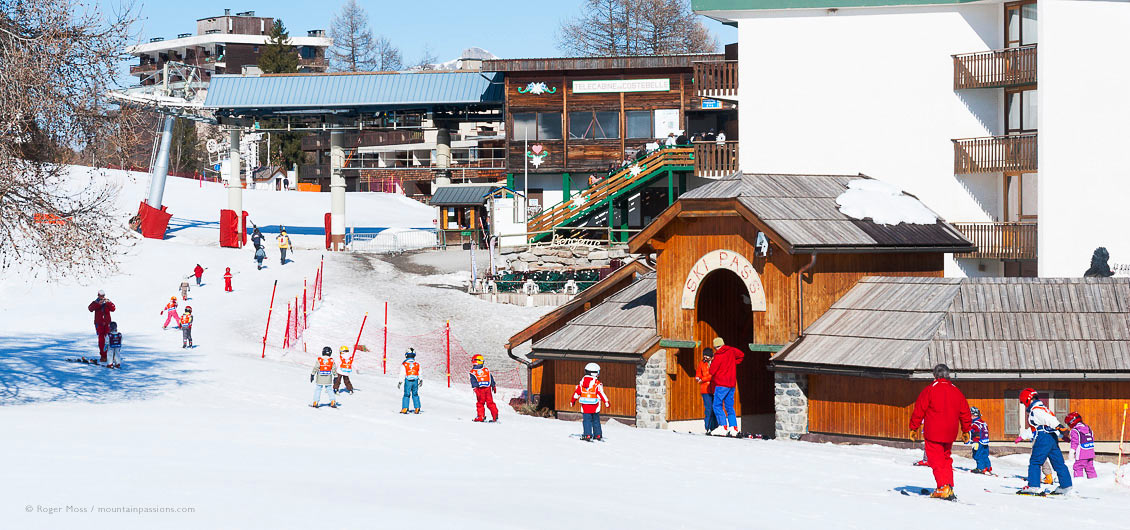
[279,56]
[185,153]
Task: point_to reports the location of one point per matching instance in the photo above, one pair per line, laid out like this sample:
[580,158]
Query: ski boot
[944,493]
[1062,491]
[586,438]
[1048,479]
[480,420]
[417,411]
[1031,490]
[493,420]
[599,438]
[189,344]
[315,405]
[922,462]
[333,404]
[404,411]
[980,471]
[184,344]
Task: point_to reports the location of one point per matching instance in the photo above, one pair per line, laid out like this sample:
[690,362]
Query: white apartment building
[1006,118]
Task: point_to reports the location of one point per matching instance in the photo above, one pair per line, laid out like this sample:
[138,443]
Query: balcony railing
[713,159]
[714,79]
[995,69]
[313,142]
[1000,240]
[315,63]
[994,153]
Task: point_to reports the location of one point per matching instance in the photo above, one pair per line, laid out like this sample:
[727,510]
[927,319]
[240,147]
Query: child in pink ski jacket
[171,313]
[1082,446]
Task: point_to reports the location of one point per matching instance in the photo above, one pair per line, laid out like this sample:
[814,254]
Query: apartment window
[638,124]
[1021,191]
[594,125]
[1020,24]
[1021,111]
[534,126]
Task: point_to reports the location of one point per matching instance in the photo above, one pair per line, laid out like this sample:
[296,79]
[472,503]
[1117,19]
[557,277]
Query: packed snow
[883,203]
[226,439]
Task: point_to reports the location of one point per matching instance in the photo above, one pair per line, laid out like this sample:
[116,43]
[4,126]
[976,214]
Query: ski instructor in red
[101,307]
[945,410]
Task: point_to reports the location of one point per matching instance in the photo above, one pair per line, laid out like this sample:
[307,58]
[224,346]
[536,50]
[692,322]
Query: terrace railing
[1000,240]
[995,69]
[995,153]
[716,79]
[713,159]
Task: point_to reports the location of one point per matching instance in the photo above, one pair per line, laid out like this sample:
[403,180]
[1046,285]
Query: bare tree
[427,60]
[635,27]
[354,49]
[388,57]
[57,61]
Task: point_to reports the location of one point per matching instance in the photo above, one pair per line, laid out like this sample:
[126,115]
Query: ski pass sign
[729,260]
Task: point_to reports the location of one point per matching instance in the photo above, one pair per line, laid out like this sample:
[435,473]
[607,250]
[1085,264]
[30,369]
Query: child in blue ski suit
[1044,430]
[979,438]
[410,381]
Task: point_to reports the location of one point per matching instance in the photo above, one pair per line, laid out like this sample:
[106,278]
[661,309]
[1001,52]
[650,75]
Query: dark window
[549,126]
[524,128]
[594,125]
[638,124]
[1020,24]
[1021,111]
[536,126]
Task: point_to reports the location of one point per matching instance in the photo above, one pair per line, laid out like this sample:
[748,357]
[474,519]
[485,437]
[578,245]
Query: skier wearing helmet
[186,327]
[324,370]
[1044,430]
[411,381]
[345,369]
[591,395]
[170,312]
[483,383]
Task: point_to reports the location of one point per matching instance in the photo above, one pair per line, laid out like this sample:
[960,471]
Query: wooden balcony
[713,159]
[1010,241]
[716,79]
[994,153]
[995,69]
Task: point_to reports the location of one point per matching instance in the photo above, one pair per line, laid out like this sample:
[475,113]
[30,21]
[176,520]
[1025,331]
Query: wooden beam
[709,213]
[678,343]
[771,348]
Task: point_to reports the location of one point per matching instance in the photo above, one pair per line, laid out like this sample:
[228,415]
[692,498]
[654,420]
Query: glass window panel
[638,123]
[549,126]
[607,124]
[1029,193]
[1012,27]
[524,126]
[580,125]
[1012,110]
[1013,198]
[1028,24]
[1031,110]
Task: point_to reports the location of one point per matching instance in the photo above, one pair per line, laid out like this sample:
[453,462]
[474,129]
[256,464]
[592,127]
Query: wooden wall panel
[619,380]
[882,407]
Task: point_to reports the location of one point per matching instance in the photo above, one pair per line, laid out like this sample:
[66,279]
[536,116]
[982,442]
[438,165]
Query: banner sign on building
[594,86]
[731,261]
[708,103]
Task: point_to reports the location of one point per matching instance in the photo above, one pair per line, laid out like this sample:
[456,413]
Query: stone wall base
[790,402]
[651,392]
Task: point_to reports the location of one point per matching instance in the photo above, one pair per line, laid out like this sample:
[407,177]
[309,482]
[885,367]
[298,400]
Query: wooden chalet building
[753,259]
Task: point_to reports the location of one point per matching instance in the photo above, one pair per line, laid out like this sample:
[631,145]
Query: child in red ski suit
[171,313]
[591,395]
[1082,446]
[483,383]
[227,279]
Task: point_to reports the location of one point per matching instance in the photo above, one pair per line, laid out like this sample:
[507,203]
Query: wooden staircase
[650,167]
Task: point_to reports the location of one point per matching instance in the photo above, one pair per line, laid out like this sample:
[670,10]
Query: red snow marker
[358,341]
[447,348]
[384,348]
[286,330]
[270,309]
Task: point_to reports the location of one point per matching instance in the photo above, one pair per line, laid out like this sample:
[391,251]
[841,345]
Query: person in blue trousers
[724,375]
[979,438]
[706,388]
[410,381]
[1044,429]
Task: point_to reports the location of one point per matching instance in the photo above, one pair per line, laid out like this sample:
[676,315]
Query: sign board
[729,260]
[667,121]
[708,103]
[594,86]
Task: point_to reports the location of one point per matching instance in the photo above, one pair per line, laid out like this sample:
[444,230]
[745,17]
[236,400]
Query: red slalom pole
[286,330]
[270,309]
[304,323]
[321,276]
[297,322]
[358,341]
[384,349]
[447,349]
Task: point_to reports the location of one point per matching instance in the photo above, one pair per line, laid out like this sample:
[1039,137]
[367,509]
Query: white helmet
[592,367]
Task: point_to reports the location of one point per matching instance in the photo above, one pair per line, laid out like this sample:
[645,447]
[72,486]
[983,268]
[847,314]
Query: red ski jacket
[944,409]
[724,367]
[101,312]
[198,271]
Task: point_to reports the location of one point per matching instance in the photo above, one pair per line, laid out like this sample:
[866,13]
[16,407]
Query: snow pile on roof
[472,53]
[883,203]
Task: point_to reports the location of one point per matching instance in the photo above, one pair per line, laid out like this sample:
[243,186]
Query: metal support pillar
[443,155]
[337,189]
[235,189]
[161,167]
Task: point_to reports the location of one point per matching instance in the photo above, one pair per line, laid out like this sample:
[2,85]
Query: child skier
[170,311]
[979,437]
[184,289]
[344,371]
[114,348]
[199,272]
[186,327]
[324,371]
[260,255]
[591,394]
[411,381]
[1044,431]
[227,279]
[483,383]
[284,244]
[1082,444]
[706,389]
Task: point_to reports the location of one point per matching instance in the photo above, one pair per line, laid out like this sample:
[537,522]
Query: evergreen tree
[184,157]
[278,56]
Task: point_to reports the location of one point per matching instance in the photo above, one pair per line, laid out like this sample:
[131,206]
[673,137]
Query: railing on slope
[628,177]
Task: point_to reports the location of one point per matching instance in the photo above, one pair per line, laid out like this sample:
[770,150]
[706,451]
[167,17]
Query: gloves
[420,383]
[1018,440]
[976,446]
[1064,432]
[572,403]
[965,437]
[398,386]
[311,378]
[493,390]
[914,434]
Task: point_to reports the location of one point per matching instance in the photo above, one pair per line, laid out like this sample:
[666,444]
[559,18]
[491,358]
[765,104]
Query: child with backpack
[483,383]
[1082,445]
[590,392]
[260,255]
[170,311]
[411,381]
[979,438]
[186,327]
[114,347]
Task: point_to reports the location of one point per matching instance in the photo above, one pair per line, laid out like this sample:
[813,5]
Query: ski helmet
[326,350]
[1027,395]
[173,298]
[101,292]
[975,412]
[411,353]
[344,349]
[592,368]
[1073,419]
[476,359]
[187,309]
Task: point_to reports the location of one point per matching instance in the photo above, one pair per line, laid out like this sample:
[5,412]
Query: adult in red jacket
[101,307]
[945,411]
[724,375]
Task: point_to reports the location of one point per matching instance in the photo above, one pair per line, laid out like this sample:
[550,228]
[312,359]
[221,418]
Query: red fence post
[384,348]
[286,330]
[270,309]
[304,326]
[447,342]
[358,341]
[321,276]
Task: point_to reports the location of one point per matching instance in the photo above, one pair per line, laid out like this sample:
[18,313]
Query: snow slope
[230,436]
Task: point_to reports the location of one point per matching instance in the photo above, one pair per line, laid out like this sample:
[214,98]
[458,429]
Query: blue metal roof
[327,91]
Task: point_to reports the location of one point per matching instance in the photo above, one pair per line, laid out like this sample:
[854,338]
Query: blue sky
[507,28]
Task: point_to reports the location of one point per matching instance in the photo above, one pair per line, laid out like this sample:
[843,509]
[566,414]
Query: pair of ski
[95,362]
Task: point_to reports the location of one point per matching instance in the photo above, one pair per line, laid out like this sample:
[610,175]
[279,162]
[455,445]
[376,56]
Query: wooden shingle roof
[622,326]
[802,210]
[979,327]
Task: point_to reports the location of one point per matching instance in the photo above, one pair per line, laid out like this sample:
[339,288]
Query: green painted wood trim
[566,186]
[510,180]
[742,5]
[771,348]
[677,343]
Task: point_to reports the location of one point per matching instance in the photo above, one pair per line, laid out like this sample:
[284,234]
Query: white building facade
[1004,117]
